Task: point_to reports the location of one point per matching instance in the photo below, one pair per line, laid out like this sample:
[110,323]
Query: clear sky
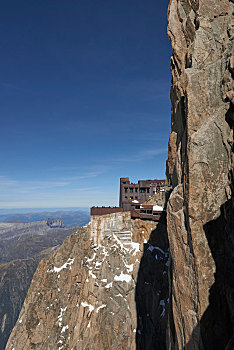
[84,99]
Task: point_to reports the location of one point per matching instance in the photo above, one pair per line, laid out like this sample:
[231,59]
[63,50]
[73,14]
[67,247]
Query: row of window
[142,190]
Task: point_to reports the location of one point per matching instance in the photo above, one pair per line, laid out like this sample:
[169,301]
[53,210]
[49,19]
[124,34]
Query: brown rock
[108,295]
[200,168]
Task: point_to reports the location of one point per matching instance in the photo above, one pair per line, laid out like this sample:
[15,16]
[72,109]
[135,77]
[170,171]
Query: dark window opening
[136,189]
[137,206]
[142,190]
[126,190]
[147,190]
[136,197]
[131,190]
[149,211]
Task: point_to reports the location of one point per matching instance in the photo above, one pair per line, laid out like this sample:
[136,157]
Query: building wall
[105,210]
[130,191]
[103,225]
[117,223]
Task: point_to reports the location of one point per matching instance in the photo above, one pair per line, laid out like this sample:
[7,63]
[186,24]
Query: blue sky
[84,96]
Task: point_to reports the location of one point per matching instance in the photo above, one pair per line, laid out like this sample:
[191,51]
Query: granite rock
[200,169]
[111,294]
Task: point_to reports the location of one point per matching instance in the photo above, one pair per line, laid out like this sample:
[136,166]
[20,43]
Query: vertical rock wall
[200,169]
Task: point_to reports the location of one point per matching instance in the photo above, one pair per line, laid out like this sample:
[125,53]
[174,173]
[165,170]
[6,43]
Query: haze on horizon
[84,100]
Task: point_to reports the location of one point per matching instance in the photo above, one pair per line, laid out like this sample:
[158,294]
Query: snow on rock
[123,277]
[69,262]
[85,304]
[109,285]
[64,328]
[135,247]
[60,316]
[100,307]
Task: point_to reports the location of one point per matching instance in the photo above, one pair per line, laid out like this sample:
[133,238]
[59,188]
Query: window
[149,211]
[126,197]
[126,190]
[131,190]
[142,190]
[147,190]
[137,206]
[136,189]
[130,197]
[136,197]
[143,211]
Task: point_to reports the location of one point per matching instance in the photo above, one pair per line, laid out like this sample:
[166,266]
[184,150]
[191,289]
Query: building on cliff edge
[139,192]
[146,199]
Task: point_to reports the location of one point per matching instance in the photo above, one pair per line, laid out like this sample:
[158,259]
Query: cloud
[14,87]
[141,155]
[37,194]
[7,183]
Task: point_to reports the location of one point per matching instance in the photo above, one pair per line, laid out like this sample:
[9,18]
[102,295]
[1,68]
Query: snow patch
[129,267]
[123,277]
[136,247]
[157,208]
[64,328]
[85,304]
[69,262]
[60,316]
[100,307]
[91,274]
[109,285]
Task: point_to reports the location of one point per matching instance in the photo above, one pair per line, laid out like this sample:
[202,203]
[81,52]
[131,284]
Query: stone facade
[139,192]
[103,225]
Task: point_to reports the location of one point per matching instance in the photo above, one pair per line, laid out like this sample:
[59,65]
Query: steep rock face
[22,246]
[200,169]
[110,295]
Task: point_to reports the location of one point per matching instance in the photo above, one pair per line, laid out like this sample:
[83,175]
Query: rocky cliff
[111,294]
[22,246]
[200,169]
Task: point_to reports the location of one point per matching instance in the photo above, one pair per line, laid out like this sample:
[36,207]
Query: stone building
[141,191]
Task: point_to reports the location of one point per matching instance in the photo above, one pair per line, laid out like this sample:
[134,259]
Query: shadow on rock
[217,323]
[152,292]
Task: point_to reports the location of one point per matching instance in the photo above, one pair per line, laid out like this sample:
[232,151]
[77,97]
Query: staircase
[125,238]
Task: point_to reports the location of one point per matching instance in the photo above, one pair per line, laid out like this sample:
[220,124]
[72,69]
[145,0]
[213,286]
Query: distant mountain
[22,246]
[69,218]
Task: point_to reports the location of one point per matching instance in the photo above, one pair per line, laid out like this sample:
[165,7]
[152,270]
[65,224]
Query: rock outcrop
[108,295]
[200,169]
[22,246]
